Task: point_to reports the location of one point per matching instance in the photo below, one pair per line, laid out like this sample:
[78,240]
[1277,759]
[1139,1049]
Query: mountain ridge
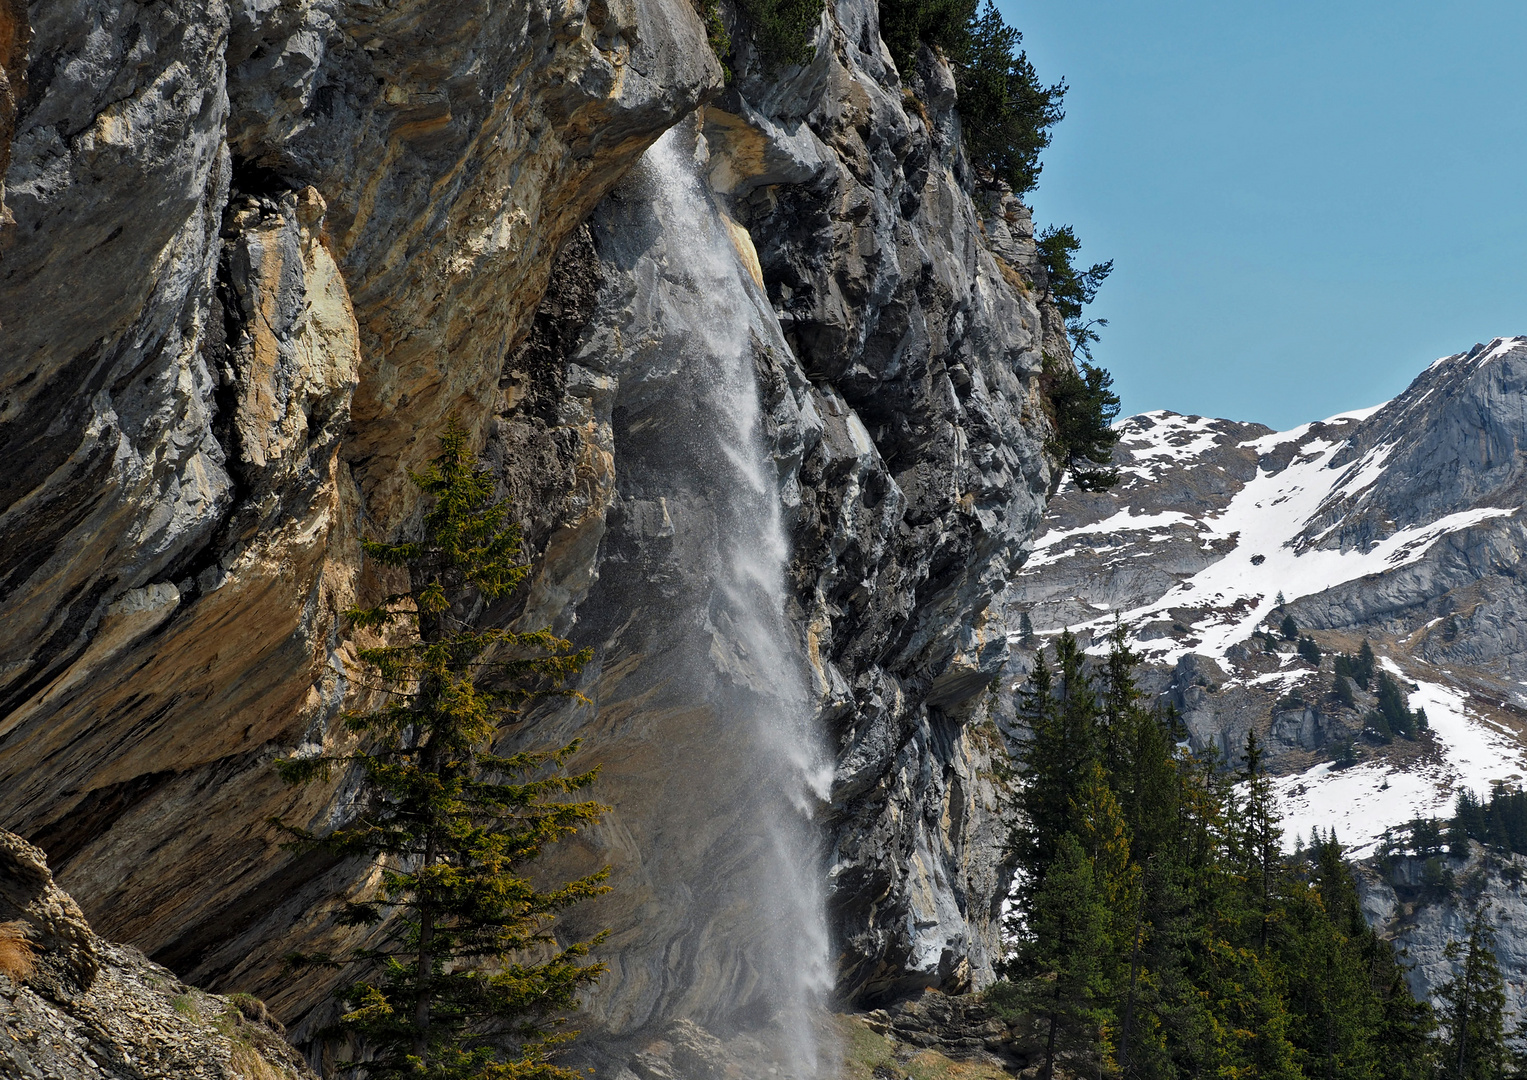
[1384,523]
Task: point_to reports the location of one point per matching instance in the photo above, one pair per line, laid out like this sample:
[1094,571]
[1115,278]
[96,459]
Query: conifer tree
[1473,1008]
[1363,670]
[1062,715]
[1063,954]
[463,979]
[1289,628]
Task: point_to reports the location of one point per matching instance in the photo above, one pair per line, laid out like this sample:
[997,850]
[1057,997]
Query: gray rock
[262,250]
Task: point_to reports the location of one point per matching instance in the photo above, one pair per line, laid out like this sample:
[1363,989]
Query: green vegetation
[1289,628]
[868,1055]
[716,35]
[464,979]
[1499,821]
[1006,113]
[783,30]
[1473,1008]
[1358,668]
[1308,650]
[1070,288]
[1083,407]
[1160,931]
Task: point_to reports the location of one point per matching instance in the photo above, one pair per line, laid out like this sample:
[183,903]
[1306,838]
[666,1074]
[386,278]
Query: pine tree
[1473,1008]
[1289,628]
[1363,670]
[464,979]
[1394,706]
[1308,650]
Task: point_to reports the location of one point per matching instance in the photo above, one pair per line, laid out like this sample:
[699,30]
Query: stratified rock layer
[262,251]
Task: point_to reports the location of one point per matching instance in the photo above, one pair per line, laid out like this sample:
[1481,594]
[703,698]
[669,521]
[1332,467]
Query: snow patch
[1356,803]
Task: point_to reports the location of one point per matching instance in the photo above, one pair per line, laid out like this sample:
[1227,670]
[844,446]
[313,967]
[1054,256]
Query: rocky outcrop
[262,251]
[1423,905]
[74,1006]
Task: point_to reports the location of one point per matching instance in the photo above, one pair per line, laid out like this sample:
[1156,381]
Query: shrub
[1346,755]
[783,30]
[1436,874]
[16,957]
[715,34]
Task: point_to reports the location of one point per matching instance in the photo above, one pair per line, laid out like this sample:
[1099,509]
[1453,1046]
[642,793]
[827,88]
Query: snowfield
[1269,518]
[1361,802]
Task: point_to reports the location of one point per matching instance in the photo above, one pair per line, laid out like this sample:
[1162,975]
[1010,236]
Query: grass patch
[247,1064]
[185,1006]
[863,1050]
[931,1065]
[16,957]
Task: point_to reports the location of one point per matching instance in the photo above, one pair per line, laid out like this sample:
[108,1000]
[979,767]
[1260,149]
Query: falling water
[693,586]
[766,666]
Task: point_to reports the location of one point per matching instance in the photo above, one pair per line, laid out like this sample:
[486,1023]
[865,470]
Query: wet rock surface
[262,251]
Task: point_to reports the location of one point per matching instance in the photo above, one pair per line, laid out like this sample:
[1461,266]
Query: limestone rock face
[78,1006]
[257,250]
[1423,916]
[262,251]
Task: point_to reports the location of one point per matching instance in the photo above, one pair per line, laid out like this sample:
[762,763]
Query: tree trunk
[1049,1069]
[425,963]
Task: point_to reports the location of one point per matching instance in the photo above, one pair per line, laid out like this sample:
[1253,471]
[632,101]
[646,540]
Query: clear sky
[1306,202]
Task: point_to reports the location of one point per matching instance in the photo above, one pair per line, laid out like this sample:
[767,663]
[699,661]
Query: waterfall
[706,717]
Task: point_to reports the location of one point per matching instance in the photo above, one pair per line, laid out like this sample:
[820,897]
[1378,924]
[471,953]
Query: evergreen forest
[1159,930]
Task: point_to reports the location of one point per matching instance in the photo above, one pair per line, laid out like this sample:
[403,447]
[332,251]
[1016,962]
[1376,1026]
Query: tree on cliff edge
[464,980]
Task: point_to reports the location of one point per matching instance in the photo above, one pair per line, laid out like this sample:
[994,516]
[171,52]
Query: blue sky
[1306,203]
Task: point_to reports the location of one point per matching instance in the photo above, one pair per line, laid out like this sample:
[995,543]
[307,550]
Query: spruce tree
[1063,955]
[1289,628]
[462,976]
[1062,715]
[1363,669]
[1473,1008]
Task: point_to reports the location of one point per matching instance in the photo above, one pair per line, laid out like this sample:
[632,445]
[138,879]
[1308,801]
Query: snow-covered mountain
[1401,524]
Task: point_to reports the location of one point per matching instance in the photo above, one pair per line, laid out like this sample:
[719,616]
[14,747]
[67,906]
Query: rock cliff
[254,253]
